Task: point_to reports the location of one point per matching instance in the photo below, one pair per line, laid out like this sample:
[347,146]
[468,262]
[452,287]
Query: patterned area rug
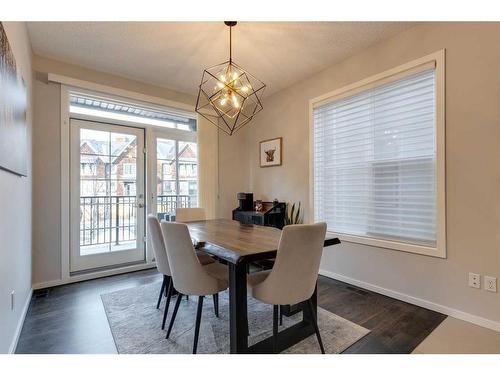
[136,325]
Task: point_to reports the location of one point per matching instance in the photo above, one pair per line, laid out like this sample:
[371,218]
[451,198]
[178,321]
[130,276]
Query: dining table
[239,245]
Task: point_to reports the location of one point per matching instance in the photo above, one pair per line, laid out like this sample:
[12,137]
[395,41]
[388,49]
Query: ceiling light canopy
[229,96]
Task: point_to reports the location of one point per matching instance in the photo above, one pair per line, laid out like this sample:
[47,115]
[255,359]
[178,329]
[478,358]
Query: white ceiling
[174,54]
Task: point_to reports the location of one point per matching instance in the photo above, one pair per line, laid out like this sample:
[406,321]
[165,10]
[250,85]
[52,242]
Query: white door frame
[137,254]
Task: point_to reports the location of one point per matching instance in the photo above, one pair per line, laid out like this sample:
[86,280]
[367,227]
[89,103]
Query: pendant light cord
[230,24]
[230,43]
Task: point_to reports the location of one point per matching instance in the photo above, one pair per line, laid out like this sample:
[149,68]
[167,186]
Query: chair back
[186,215]
[295,271]
[158,243]
[187,273]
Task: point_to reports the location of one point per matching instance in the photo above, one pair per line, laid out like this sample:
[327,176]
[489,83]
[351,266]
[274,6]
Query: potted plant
[293,216]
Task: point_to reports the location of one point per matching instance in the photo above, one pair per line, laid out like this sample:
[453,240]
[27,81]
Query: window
[87,169]
[129,170]
[378,166]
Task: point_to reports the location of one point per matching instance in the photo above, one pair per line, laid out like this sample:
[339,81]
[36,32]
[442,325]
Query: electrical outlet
[12,300]
[490,284]
[474,280]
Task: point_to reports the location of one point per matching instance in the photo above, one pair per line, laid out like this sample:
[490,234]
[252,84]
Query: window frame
[438,59]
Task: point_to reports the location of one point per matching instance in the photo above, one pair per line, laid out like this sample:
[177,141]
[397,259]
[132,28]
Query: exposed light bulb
[222,78]
[220,84]
[244,88]
[235,75]
[223,101]
[235,101]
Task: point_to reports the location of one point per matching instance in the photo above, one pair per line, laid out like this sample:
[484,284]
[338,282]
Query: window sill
[438,252]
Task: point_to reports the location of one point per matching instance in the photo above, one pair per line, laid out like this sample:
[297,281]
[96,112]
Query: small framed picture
[270,152]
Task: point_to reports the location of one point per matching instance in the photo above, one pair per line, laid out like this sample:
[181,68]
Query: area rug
[136,325]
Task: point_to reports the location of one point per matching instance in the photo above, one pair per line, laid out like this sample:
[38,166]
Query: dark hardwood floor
[71,318]
[396,326]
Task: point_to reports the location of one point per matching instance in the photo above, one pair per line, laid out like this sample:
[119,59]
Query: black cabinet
[272,215]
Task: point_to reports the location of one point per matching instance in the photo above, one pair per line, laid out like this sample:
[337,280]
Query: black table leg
[291,335]
[238,318]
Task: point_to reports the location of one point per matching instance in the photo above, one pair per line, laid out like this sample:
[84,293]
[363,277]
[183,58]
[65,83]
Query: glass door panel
[188,174]
[176,176]
[107,195]
[166,186]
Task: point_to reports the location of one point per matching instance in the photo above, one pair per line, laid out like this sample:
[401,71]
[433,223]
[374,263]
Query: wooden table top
[236,242]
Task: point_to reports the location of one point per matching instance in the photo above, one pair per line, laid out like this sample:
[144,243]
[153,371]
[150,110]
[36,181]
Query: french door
[106,195]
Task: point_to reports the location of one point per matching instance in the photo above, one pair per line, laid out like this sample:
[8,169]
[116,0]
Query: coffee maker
[245,201]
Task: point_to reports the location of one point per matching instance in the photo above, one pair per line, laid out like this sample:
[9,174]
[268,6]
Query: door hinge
[145,239]
[144,150]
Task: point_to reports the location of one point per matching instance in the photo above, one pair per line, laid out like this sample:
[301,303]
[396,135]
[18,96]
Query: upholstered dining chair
[158,244]
[189,276]
[293,277]
[187,215]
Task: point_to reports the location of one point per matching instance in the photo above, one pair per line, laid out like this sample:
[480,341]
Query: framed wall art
[13,106]
[270,152]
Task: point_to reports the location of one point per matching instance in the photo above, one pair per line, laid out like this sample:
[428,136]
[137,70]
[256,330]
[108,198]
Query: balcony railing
[113,219]
[166,204]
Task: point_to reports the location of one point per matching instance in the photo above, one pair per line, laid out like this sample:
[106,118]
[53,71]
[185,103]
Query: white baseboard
[478,320]
[20,323]
[92,275]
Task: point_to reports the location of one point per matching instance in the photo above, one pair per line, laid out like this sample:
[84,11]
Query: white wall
[233,169]
[15,214]
[46,180]
[472,167]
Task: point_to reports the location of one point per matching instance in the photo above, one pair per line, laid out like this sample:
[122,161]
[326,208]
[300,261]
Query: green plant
[292,216]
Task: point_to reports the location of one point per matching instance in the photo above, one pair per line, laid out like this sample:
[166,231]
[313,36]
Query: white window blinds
[375,161]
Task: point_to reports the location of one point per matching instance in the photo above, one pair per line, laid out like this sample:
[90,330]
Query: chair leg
[163,284]
[197,325]
[172,319]
[170,289]
[275,329]
[216,304]
[310,306]
[281,316]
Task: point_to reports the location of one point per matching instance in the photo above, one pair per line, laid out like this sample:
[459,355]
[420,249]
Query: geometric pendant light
[229,97]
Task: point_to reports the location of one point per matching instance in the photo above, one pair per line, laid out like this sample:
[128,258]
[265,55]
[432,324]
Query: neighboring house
[97,169]
[106,171]
[186,175]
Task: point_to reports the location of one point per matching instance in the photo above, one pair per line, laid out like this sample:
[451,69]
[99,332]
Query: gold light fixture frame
[229,96]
